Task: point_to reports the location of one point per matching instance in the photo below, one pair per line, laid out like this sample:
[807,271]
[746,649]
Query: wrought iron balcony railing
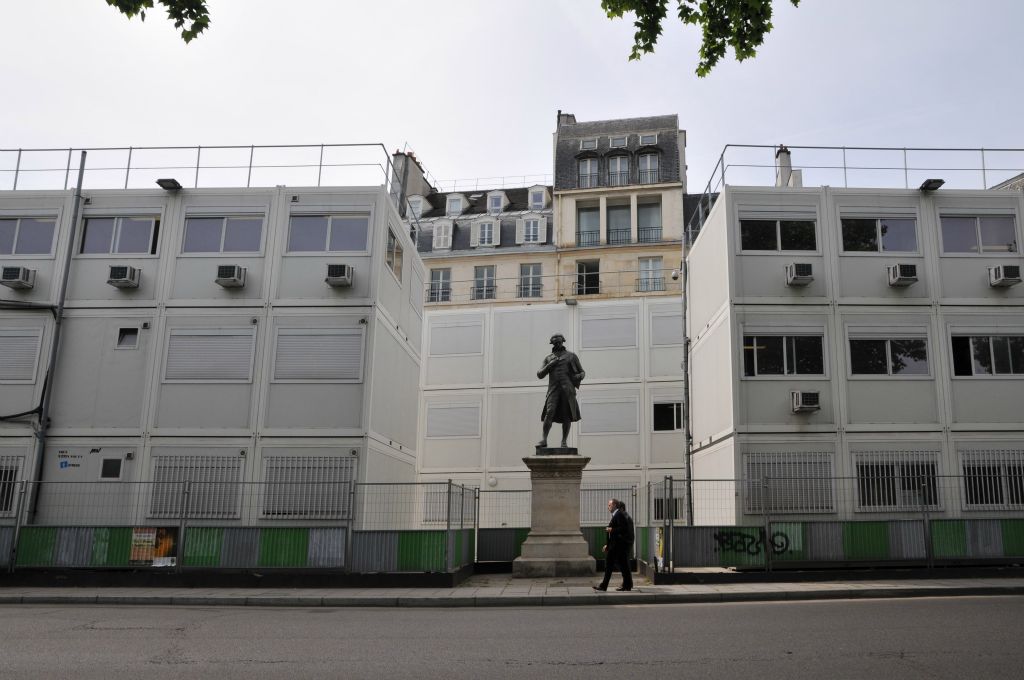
[439,294]
[648,235]
[586,181]
[529,290]
[483,292]
[648,177]
[553,287]
[650,284]
[618,236]
[587,284]
[618,179]
[588,238]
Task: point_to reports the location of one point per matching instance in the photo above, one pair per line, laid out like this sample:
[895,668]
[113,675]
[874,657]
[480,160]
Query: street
[977,637]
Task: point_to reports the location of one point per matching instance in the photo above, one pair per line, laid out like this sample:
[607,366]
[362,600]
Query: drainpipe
[687,437]
[58,319]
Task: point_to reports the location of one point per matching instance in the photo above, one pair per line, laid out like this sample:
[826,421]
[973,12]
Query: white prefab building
[214,335]
[857,354]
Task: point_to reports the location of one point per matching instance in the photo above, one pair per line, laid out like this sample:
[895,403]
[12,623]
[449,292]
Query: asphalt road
[878,639]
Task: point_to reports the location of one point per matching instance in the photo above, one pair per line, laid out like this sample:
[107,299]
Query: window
[588,227]
[587,173]
[210,355]
[26,236]
[327,233]
[483,282]
[588,144]
[648,139]
[393,255]
[993,479]
[783,355]
[648,219]
[127,338]
[887,235]
[617,142]
[531,231]
[777,235]
[454,205]
[588,277]
[668,416]
[8,483]
[315,487]
[120,235]
[618,171]
[983,234]
[648,164]
[896,481]
[903,356]
[618,224]
[494,204]
[110,468]
[222,235]
[988,355]
[440,285]
[788,482]
[309,355]
[442,236]
[19,354]
[485,234]
[529,280]
[650,277]
[416,206]
[536,200]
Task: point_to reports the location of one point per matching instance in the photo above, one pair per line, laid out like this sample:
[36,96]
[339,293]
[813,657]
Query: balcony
[618,236]
[648,177]
[590,284]
[529,290]
[649,235]
[586,181]
[482,292]
[618,179]
[585,239]
[435,294]
[650,284]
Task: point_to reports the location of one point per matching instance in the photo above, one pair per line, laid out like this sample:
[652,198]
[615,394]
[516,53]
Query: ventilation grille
[13,274]
[908,271]
[214,486]
[781,483]
[1011,271]
[803,269]
[228,271]
[308,487]
[337,270]
[119,272]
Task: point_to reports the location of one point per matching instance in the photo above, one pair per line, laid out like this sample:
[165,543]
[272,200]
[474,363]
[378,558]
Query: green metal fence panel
[866,540]
[596,537]
[1013,537]
[203,546]
[36,546]
[284,547]
[949,538]
[111,546]
[421,551]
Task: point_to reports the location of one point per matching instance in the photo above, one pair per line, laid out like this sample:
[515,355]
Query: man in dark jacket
[618,545]
[564,372]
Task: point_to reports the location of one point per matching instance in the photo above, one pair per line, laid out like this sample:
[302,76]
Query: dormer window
[588,144]
[648,139]
[454,206]
[416,206]
[617,142]
[494,204]
[442,236]
[486,234]
[537,200]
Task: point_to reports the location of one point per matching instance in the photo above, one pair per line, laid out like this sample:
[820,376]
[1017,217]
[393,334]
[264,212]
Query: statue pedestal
[555,546]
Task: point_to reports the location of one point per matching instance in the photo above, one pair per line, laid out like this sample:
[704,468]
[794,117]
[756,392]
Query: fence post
[929,558]
[448,530]
[13,552]
[766,505]
[476,524]
[349,527]
[180,550]
[636,508]
[669,511]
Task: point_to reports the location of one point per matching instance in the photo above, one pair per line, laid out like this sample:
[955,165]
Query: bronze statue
[564,373]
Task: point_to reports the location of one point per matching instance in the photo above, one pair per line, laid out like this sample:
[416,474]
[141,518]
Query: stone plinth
[555,546]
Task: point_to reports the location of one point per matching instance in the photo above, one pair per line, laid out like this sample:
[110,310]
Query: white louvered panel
[319,356]
[209,357]
[453,421]
[597,333]
[796,482]
[667,329]
[314,487]
[10,471]
[598,417]
[215,485]
[19,353]
[464,338]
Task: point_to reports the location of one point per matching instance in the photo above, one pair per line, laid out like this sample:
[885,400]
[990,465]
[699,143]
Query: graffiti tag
[744,542]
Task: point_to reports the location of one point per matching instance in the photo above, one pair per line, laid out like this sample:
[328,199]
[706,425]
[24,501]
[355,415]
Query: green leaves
[191,16]
[739,24]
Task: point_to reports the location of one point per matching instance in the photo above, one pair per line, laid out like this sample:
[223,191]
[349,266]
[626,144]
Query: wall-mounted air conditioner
[799,274]
[1004,275]
[123,276]
[339,275]
[18,277]
[805,402]
[230,276]
[902,275]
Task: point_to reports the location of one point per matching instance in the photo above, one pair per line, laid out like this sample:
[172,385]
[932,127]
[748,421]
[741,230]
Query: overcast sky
[473,86]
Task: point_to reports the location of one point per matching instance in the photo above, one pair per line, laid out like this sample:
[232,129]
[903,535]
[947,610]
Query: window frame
[677,415]
[415,206]
[490,224]
[156,221]
[543,199]
[491,210]
[224,217]
[778,219]
[613,145]
[394,254]
[17,232]
[487,282]
[447,228]
[526,226]
[588,144]
[888,338]
[644,135]
[448,206]
[443,284]
[977,215]
[532,280]
[971,336]
[330,215]
[878,218]
[899,461]
[992,458]
[786,334]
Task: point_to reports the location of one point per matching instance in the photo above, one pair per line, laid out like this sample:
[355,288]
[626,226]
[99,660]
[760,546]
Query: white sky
[473,86]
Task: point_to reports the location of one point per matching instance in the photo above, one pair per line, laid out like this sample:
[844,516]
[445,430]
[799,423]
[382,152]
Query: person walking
[617,547]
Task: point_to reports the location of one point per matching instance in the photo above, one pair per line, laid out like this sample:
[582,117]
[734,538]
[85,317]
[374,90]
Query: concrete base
[555,546]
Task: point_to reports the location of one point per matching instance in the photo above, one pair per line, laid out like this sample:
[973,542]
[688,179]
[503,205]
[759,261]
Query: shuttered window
[19,354]
[308,487]
[223,355]
[602,332]
[453,420]
[319,355]
[667,329]
[10,466]
[896,480]
[788,482]
[214,486]
[993,479]
[608,416]
[456,338]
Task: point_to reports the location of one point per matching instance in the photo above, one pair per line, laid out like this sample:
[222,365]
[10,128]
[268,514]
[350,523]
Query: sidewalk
[501,590]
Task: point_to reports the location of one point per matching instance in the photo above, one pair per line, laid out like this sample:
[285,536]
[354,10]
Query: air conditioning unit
[123,276]
[339,275]
[799,274]
[1001,276]
[230,276]
[902,275]
[18,277]
[805,402]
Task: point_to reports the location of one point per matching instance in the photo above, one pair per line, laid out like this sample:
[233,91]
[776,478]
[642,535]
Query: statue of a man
[564,373]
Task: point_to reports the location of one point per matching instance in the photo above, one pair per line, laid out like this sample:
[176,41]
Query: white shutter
[317,487]
[442,236]
[19,354]
[474,235]
[667,329]
[542,230]
[456,338]
[603,332]
[214,490]
[210,355]
[444,420]
[496,234]
[520,231]
[607,416]
[314,355]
